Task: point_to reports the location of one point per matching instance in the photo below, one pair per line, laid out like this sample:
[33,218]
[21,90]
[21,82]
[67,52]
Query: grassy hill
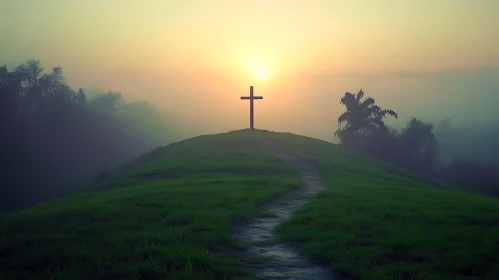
[168,216]
[377,223]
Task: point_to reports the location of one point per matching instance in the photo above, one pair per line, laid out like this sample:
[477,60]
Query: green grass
[167,217]
[378,222]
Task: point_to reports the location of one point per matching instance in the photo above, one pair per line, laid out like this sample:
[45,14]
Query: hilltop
[168,215]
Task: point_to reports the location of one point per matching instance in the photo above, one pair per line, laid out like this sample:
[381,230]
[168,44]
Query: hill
[168,215]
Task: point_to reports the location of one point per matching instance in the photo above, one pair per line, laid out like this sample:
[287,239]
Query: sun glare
[257,68]
[260,75]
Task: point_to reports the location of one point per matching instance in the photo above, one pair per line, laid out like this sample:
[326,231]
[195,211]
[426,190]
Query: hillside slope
[374,222]
[167,215]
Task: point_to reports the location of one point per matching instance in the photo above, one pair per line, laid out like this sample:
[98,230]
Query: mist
[194,60]
[56,139]
[142,116]
[307,103]
[97,98]
[178,70]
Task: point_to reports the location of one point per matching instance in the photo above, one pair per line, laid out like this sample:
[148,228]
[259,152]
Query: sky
[193,59]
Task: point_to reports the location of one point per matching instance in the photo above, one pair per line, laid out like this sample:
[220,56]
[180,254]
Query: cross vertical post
[252,120]
[251,98]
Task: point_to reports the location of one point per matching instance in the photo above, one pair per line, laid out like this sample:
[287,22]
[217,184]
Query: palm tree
[362,118]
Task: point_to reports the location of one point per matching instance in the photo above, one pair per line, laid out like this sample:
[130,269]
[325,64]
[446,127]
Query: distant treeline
[467,159]
[54,139]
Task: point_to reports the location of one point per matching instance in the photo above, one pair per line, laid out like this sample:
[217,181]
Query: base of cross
[251,98]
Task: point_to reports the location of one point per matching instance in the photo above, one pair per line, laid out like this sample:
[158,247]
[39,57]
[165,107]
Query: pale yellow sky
[196,58]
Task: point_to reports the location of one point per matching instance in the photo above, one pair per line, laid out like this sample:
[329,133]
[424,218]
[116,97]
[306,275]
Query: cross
[251,98]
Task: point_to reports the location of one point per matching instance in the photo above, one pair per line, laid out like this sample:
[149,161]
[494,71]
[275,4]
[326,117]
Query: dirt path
[278,260]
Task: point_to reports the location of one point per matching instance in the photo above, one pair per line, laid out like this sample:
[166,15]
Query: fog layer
[56,139]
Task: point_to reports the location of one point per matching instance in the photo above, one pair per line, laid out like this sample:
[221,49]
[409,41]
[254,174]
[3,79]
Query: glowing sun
[260,75]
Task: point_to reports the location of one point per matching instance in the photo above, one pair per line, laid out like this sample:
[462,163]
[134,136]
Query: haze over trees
[466,158]
[362,120]
[55,139]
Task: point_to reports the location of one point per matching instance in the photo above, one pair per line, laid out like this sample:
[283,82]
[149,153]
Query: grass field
[375,222]
[168,214]
[166,217]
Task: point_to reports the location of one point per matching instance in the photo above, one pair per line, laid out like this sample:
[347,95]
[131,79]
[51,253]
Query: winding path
[279,260]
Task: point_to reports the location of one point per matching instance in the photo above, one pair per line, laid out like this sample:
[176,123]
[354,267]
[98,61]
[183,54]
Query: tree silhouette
[361,119]
[416,147]
[33,71]
[419,146]
[54,139]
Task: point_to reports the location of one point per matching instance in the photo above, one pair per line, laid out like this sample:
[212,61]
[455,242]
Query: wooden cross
[251,98]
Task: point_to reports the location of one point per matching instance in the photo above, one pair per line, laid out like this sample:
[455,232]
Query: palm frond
[367,103]
[389,112]
[360,94]
[344,117]
[372,111]
[347,99]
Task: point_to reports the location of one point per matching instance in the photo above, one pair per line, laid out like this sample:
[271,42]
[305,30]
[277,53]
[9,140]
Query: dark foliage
[53,139]
[417,148]
[361,120]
